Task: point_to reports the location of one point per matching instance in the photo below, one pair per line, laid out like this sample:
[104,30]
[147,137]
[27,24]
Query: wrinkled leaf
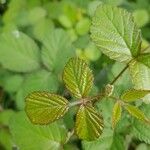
[89,124]
[116,115]
[78,77]
[115,33]
[133,94]
[44,107]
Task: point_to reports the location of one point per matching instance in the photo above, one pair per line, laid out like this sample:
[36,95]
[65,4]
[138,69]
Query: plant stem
[69,135]
[117,77]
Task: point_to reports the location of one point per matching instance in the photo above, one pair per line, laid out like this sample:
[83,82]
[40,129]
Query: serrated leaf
[115,33]
[135,112]
[116,115]
[140,75]
[44,107]
[27,136]
[89,124]
[78,77]
[145,59]
[57,47]
[18,52]
[133,94]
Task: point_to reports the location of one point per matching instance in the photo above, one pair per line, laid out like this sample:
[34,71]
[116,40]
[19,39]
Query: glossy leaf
[145,59]
[44,107]
[78,77]
[116,115]
[133,94]
[140,75]
[135,112]
[115,33]
[27,136]
[19,52]
[89,124]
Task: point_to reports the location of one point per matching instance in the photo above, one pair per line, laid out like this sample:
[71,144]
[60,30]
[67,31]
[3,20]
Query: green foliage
[89,124]
[132,95]
[18,52]
[111,33]
[117,110]
[44,108]
[36,137]
[78,78]
[37,38]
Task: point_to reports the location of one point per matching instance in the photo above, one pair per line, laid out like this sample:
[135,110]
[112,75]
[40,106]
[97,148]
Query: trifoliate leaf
[115,33]
[140,75]
[78,77]
[89,124]
[116,115]
[135,112]
[18,52]
[145,59]
[133,94]
[27,136]
[44,107]
[56,50]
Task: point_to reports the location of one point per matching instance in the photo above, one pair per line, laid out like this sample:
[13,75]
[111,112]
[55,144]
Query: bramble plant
[113,31]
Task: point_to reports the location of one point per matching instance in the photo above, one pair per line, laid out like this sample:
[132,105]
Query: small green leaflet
[89,124]
[44,107]
[145,59]
[115,33]
[133,94]
[78,77]
[116,115]
[135,112]
[19,52]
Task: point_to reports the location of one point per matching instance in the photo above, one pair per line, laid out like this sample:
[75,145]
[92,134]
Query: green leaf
[140,129]
[18,52]
[140,75]
[89,124]
[39,80]
[78,77]
[35,137]
[57,47]
[115,33]
[133,94]
[145,59]
[44,107]
[135,112]
[116,115]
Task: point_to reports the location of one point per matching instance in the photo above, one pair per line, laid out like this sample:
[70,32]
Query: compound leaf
[117,109]
[19,52]
[89,124]
[78,77]
[44,107]
[133,94]
[115,33]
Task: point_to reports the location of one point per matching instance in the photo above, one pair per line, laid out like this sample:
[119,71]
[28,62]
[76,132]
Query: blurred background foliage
[37,37]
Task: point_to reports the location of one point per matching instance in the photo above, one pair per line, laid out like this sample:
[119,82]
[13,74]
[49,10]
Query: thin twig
[69,135]
[143,50]
[117,77]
